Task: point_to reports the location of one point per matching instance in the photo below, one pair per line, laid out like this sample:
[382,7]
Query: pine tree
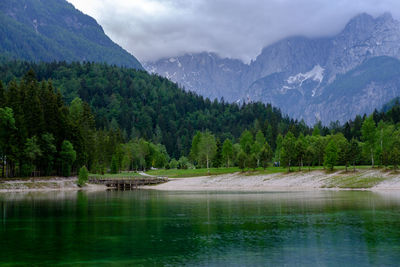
[300,147]
[2,95]
[242,160]
[114,165]
[331,155]
[67,157]
[246,141]
[265,155]
[288,154]
[7,132]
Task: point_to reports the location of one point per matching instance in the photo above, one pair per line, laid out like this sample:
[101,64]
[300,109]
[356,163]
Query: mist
[154,29]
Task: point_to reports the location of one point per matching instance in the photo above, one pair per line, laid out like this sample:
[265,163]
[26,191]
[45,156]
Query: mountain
[327,79]
[53,30]
[205,73]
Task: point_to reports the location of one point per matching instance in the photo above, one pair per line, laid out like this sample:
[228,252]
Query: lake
[151,228]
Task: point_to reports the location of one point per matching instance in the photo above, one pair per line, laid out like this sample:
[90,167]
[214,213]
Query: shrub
[83,176]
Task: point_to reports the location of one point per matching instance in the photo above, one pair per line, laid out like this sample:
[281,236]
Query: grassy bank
[122,175]
[180,173]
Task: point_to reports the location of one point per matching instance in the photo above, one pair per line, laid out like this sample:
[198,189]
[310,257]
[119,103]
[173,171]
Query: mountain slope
[205,73]
[53,30]
[295,72]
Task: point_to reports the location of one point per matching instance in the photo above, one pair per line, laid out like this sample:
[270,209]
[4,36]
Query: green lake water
[151,228]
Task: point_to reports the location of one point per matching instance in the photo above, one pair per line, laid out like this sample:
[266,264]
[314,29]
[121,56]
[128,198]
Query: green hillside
[54,30]
[150,106]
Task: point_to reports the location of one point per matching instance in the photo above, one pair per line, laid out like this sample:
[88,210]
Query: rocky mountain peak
[308,78]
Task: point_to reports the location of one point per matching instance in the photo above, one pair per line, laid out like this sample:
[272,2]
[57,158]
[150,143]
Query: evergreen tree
[331,155]
[300,147]
[7,132]
[2,95]
[246,141]
[217,161]
[31,152]
[288,153]
[67,157]
[49,150]
[319,146]
[265,155]
[252,161]
[242,160]
[309,155]
[194,151]
[114,165]
[354,152]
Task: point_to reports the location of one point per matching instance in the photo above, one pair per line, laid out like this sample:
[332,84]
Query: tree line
[46,131]
[152,107]
[40,135]
[378,145]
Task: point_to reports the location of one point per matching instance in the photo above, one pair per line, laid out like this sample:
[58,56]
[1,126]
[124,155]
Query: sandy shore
[46,184]
[296,181]
[374,180]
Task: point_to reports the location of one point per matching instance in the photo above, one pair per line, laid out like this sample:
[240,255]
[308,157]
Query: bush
[183,163]
[83,176]
[173,164]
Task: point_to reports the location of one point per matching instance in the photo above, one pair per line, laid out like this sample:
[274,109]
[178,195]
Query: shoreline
[361,180]
[46,185]
[317,180]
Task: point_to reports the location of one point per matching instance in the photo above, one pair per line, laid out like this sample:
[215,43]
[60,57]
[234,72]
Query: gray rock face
[325,79]
[204,73]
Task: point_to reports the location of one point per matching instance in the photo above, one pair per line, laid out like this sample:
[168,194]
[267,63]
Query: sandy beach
[368,179]
[296,181]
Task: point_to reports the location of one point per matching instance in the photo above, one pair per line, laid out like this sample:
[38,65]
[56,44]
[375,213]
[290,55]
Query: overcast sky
[152,29]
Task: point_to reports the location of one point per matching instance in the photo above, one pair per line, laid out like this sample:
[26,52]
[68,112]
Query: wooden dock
[128,184]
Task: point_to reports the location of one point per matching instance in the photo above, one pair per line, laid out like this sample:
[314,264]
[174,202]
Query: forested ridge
[36,30]
[57,117]
[151,107]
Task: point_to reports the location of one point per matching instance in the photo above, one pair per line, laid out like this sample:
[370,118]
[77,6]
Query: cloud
[152,29]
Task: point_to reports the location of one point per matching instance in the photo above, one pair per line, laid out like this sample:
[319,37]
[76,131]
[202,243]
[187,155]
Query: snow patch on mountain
[316,74]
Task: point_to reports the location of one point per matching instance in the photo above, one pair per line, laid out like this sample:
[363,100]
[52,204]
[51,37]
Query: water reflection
[200,228]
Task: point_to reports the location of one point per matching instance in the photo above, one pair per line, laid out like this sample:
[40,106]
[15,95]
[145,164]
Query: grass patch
[177,173]
[122,175]
[354,182]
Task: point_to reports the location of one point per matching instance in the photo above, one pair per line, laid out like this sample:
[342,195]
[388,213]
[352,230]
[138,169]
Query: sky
[154,29]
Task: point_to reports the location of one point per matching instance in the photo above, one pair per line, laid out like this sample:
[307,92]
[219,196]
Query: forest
[151,107]
[57,117]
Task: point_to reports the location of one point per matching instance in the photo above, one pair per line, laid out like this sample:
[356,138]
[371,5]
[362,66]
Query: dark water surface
[150,228]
